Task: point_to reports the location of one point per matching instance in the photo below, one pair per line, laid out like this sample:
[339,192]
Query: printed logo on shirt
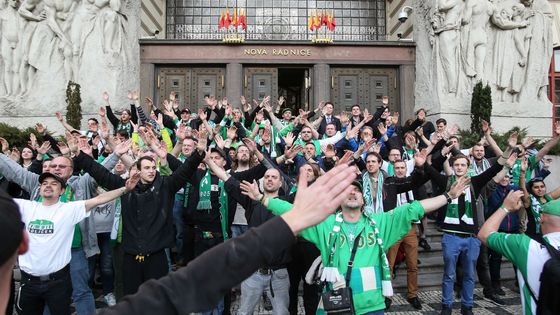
[40,227]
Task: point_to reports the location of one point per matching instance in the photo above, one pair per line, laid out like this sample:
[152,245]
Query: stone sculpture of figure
[103,17]
[539,45]
[10,46]
[32,12]
[509,48]
[448,40]
[474,39]
[59,14]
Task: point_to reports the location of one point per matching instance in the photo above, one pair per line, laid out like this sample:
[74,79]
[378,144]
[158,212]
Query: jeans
[178,223]
[34,295]
[466,249]
[253,287]
[238,229]
[105,263]
[81,292]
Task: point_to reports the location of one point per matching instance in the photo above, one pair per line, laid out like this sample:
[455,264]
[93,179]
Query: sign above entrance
[286,52]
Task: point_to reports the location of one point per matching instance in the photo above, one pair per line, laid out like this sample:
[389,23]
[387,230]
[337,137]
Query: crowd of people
[154,189]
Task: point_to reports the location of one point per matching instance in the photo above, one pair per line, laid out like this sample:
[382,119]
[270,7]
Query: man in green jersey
[528,255]
[370,279]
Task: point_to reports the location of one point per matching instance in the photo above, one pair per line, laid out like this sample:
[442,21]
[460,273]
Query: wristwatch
[446,195]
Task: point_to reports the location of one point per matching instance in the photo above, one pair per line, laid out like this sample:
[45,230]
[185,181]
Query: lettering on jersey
[40,227]
[370,239]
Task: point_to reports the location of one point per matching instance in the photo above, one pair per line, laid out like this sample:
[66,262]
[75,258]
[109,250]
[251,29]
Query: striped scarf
[369,206]
[452,213]
[204,202]
[474,170]
[536,208]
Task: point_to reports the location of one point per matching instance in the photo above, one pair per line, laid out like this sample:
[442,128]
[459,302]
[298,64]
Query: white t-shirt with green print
[529,256]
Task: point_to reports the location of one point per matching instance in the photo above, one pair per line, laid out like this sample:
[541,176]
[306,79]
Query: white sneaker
[110,299]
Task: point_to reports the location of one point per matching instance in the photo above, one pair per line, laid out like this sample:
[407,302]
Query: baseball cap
[51,175]
[11,227]
[358,184]
[286,110]
[219,151]
[552,207]
[186,111]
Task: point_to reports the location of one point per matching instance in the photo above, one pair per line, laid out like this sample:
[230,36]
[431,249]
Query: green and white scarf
[386,285]
[452,213]
[536,208]
[116,230]
[204,202]
[369,206]
[473,169]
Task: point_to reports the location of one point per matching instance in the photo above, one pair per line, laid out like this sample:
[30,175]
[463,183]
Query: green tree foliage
[74,108]
[481,106]
[17,137]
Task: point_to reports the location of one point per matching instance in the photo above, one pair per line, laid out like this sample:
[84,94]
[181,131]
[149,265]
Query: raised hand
[420,158]
[419,131]
[84,146]
[382,129]
[40,128]
[134,95]
[123,147]
[44,148]
[106,96]
[102,111]
[485,127]
[459,186]
[289,139]
[293,151]
[250,144]
[410,141]
[132,181]
[328,151]
[527,142]
[5,145]
[511,160]
[202,140]
[281,100]
[513,201]
[202,114]
[129,95]
[33,141]
[231,132]
[220,143]
[59,116]
[395,118]
[524,164]
[557,128]
[344,118]
[149,102]
[251,190]
[512,140]
[345,158]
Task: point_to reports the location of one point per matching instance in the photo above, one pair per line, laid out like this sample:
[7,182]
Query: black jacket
[323,124]
[146,211]
[210,220]
[256,215]
[204,281]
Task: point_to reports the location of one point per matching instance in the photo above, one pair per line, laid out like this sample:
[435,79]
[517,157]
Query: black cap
[11,228]
[358,184]
[286,110]
[186,110]
[219,151]
[51,175]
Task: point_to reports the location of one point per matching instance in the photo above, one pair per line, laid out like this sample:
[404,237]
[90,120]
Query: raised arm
[102,176]
[113,194]
[550,144]
[511,203]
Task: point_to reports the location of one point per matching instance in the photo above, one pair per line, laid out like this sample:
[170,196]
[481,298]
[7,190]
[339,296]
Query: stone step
[432,280]
[433,264]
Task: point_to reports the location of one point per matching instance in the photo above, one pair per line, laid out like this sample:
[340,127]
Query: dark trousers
[137,271]
[495,263]
[105,260]
[303,255]
[34,294]
[188,243]
[118,255]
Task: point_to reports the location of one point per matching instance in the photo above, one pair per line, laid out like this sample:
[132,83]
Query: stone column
[406,92]
[234,83]
[148,82]
[321,84]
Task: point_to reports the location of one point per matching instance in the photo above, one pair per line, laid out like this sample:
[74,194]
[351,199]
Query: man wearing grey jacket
[84,243]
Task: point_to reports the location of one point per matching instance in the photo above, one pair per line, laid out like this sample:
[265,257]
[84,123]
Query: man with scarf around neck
[211,207]
[380,189]
[271,278]
[460,228]
[146,213]
[534,198]
[371,276]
